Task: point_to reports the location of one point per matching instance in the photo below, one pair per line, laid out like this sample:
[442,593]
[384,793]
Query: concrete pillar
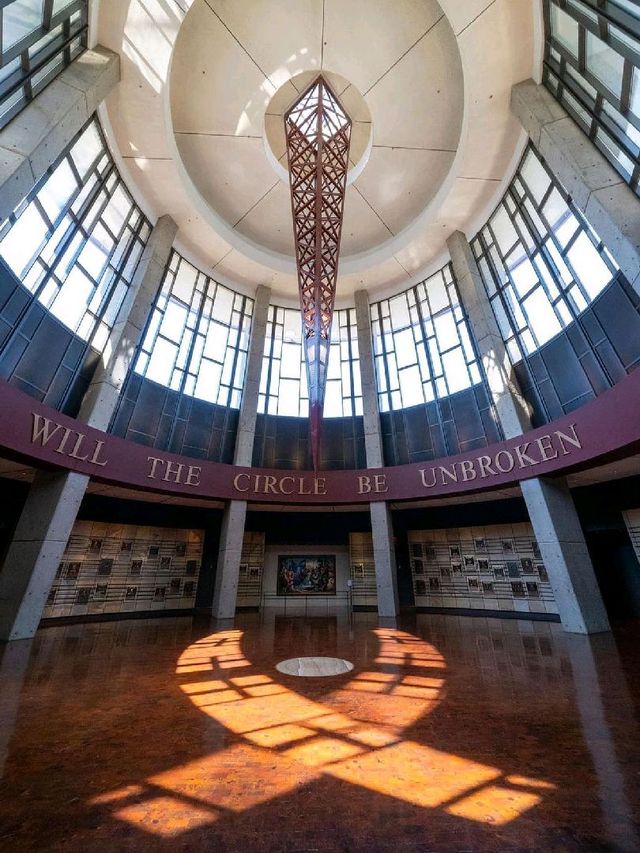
[37,136]
[384,555]
[54,498]
[612,209]
[102,396]
[549,503]
[229,556]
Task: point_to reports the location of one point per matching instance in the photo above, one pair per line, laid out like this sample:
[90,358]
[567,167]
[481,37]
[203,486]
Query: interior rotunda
[319,433]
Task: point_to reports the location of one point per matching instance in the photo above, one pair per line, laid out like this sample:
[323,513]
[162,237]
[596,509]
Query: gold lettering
[154,462]
[468,470]
[173,471]
[96,453]
[380,483]
[61,446]
[236,482]
[301,488]
[521,453]
[270,485]
[320,485]
[511,463]
[42,429]
[284,480]
[364,485]
[575,441]
[452,474]
[424,479]
[76,448]
[193,475]
[546,446]
[485,466]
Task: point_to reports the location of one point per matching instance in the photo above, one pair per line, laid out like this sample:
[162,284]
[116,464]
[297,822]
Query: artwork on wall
[136,567]
[307,575]
[105,566]
[514,569]
[73,570]
[83,595]
[192,567]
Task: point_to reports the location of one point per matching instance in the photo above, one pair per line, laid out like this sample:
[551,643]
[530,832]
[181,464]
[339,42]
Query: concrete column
[229,556]
[54,498]
[608,204]
[37,136]
[384,555]
[549,503]
[102,396]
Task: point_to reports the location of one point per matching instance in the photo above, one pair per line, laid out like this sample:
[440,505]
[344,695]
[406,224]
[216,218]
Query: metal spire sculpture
[318,135]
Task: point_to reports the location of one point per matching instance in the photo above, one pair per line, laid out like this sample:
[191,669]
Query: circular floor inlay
[314,667]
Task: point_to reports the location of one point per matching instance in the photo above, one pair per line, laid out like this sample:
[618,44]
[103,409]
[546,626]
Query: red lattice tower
[318,134]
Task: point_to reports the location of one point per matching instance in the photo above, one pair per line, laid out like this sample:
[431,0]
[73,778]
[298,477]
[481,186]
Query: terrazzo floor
[449,733]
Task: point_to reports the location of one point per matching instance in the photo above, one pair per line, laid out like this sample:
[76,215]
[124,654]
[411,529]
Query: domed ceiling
[197,123]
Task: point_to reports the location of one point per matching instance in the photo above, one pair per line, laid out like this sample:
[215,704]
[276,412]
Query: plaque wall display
[99,575]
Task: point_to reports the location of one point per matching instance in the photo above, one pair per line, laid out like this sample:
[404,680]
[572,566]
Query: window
[283,383]
[592,66]
[422,345]
[541,262]
[76,240]
[38,39]
[197,338]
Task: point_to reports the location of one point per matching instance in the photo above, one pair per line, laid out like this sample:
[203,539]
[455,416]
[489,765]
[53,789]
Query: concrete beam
[251,392]
[225,591]
[511,407]
[101,398]
[609,205]
[549,503]
[53,501]
[384,555]
[39,134]
[36,550]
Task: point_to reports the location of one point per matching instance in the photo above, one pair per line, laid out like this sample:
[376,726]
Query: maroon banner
[606,428]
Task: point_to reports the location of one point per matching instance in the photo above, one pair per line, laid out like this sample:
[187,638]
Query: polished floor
[448,734]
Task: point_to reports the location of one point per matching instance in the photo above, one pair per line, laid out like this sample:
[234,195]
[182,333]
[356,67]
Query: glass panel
[605,63]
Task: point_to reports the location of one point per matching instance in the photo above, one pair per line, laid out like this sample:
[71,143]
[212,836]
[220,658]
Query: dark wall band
[607,428]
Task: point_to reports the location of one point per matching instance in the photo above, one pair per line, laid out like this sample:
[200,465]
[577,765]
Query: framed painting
[307,575]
